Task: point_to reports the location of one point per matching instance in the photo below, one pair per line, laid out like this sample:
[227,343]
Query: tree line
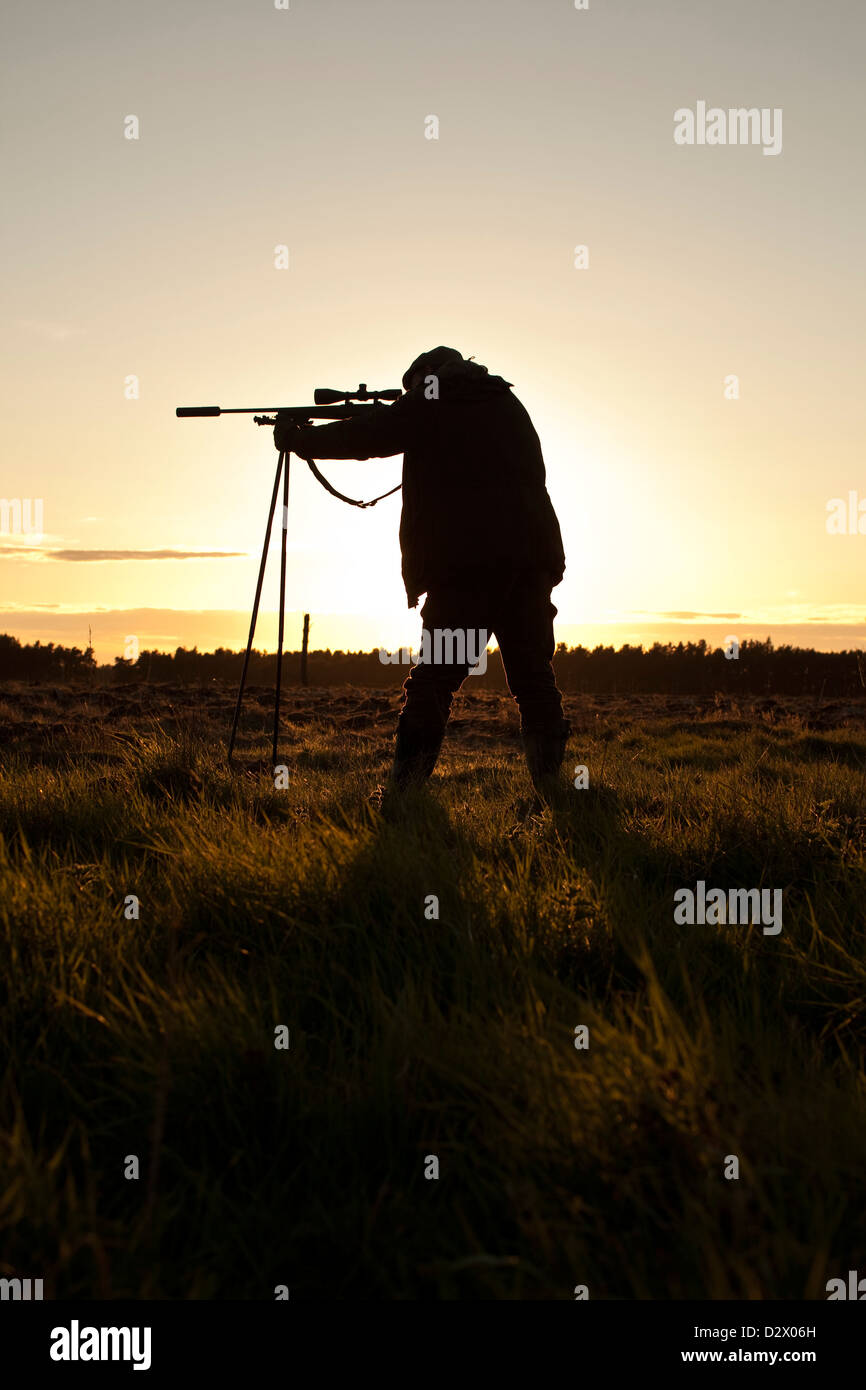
[682,668]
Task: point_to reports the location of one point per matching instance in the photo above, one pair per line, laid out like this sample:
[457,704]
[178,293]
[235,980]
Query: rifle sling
[352,501]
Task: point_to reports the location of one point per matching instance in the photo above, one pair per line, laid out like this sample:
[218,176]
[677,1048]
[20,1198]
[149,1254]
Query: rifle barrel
[305,412]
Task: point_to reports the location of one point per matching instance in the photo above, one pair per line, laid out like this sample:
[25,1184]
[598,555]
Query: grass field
[414,1036]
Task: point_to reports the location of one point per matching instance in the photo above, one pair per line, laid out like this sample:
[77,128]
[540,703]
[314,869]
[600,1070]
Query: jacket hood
[430,361]
[463,379]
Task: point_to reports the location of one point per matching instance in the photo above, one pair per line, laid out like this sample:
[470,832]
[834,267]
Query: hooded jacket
[474,494]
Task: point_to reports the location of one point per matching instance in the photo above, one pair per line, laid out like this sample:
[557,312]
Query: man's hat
[428,362]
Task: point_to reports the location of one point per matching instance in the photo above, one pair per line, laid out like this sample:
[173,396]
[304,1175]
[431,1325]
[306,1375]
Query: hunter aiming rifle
[329,405]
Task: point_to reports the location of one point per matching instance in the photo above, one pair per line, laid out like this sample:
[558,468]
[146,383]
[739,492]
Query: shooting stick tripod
[282,471]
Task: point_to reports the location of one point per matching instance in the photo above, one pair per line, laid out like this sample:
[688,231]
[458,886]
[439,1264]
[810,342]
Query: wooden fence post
[304,644]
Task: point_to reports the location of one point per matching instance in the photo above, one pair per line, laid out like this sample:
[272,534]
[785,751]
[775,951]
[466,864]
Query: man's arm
[381,431]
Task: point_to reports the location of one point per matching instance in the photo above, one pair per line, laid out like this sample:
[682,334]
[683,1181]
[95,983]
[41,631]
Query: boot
[415,755]
[544,750]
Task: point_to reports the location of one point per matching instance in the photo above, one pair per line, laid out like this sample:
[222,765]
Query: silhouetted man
[478,535]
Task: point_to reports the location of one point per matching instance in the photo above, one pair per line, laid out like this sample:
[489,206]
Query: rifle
[338,401]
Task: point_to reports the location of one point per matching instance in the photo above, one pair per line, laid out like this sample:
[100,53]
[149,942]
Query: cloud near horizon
[684,615]
[95,556]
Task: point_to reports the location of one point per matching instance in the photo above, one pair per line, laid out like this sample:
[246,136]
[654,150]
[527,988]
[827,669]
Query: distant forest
[684,668]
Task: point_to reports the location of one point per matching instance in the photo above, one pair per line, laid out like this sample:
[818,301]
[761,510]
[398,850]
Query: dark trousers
[513,606]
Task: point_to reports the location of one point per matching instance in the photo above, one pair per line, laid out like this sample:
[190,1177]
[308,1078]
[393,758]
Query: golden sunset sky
[684,513]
